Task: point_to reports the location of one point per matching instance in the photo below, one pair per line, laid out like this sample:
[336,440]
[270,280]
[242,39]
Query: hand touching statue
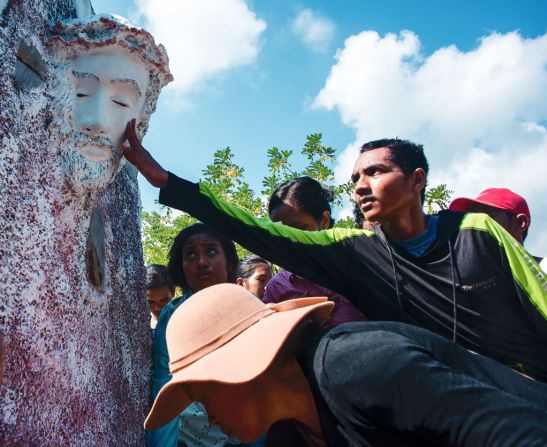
[141,158]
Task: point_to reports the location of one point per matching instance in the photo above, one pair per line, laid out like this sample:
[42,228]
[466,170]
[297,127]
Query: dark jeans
[396,384]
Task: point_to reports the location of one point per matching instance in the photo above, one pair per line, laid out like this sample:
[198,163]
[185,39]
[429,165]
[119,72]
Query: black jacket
[475,285]
[393,384]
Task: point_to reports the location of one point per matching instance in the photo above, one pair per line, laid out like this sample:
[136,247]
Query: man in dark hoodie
[506,207]
[459,275]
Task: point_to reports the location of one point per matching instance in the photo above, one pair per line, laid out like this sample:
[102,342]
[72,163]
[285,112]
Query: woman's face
[203,262]
[257,282]
[290,215]
[247,410]
[237,409]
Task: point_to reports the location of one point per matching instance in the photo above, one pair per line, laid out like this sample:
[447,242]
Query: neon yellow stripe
[324,237]
[526,271]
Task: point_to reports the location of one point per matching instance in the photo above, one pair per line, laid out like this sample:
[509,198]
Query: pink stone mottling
[77,361]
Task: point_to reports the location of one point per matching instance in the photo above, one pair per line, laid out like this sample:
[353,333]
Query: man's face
[109,90]
[157,299]
[381,190]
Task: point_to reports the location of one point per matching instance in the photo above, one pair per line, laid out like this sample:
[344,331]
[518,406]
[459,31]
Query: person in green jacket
[459,275]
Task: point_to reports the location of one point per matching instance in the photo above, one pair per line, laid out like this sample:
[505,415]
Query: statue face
[109,89]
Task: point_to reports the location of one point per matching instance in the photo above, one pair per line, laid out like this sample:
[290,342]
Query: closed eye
[81,95]
[120,103]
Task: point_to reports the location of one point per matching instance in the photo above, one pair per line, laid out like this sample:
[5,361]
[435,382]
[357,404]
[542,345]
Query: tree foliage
[227,180]
[158,232]
[437,198]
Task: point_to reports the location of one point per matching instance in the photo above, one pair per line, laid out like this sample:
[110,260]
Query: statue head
[107,72]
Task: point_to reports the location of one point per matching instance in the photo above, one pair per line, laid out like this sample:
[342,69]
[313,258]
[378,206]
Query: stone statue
[74,323]
[108,72]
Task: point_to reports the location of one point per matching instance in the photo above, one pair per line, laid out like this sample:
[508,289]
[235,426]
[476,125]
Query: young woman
[304,203]
[254,273]
[200,257]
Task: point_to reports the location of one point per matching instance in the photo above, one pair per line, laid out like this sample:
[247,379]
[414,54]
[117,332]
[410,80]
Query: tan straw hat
[225,334]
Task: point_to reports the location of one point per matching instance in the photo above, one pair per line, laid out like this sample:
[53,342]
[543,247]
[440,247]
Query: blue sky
[467,79]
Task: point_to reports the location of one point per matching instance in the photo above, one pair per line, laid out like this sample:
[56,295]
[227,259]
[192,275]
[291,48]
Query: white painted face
[109,90]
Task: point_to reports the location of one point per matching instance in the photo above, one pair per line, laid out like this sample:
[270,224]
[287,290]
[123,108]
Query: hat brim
[464,203]
[240,360]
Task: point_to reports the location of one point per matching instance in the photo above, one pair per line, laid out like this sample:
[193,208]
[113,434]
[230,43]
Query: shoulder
[170,307]
[345,336]
[277,287]
[337,349]
[335,364]
[543,264]
[474,231]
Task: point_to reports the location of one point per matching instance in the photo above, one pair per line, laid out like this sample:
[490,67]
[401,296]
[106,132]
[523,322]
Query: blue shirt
[168,435]
[418,245]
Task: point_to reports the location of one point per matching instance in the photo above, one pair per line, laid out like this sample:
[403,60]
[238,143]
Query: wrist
[161,179]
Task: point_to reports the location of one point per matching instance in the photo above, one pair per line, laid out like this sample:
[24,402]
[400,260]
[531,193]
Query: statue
[108,72]
[74,323]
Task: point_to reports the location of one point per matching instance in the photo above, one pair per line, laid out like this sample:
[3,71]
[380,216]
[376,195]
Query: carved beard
[82,174]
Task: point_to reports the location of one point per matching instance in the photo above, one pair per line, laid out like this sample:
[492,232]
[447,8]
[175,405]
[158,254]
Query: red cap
[501,198]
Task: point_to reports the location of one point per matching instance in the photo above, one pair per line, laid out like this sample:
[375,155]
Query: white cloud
[480,114]
[314,30]
[203,38]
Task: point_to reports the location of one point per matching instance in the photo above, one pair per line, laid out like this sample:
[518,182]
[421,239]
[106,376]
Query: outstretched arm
[326,257]
[141,158]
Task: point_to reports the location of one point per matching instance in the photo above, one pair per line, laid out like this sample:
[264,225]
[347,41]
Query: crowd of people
[411,329]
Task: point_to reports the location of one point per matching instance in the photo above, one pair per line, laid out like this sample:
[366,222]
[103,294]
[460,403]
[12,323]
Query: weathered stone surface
[76,357]
[95,251]
[30,69]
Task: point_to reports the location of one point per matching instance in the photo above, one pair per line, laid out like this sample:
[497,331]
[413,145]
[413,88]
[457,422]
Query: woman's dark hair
[156,277]
[307,194]
[174,266]
[248,265]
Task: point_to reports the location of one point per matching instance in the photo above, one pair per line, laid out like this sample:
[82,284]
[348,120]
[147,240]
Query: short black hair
[404,153]
[248,265]
[174,266]
[156,277]
[307,194]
